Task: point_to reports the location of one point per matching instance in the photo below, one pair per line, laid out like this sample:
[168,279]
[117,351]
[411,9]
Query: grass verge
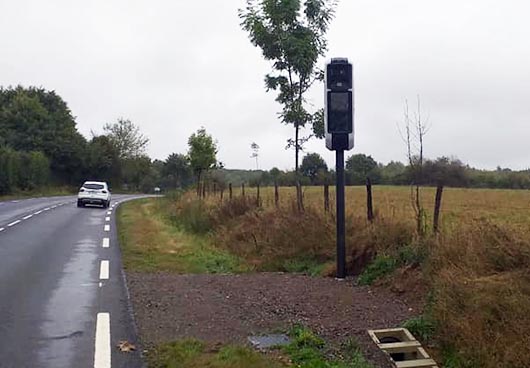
[150,243]
[305,351]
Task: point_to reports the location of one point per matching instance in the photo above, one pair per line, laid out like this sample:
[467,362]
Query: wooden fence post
[326,197]
[437,206]
[230,191]
[369,202]
[276,195]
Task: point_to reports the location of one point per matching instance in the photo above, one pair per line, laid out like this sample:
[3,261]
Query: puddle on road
[68,311]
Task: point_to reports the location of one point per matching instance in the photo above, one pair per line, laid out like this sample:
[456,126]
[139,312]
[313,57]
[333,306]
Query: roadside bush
[191,215]
[481,288]
[22,171]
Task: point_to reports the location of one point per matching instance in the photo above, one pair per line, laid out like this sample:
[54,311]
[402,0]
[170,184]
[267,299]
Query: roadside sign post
[338,123]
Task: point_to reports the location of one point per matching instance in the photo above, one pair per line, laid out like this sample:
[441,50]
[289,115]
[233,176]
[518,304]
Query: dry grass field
[394,202]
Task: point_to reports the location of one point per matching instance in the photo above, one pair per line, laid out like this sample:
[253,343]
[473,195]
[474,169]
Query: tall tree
[33,119]
[127,138]
[359,167]
[177,171]
[312,165]
[291,34]
[202,153]
[255,153]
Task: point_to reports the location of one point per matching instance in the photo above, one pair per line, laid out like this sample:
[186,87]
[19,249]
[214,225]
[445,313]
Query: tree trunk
[258,200]
[243,189]
[299,197]
[296,147]
[199,184]
[230,194]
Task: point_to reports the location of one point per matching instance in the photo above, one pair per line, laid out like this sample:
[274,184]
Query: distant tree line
[40,146]
[449,172]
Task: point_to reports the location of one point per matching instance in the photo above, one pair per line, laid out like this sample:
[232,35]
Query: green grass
[382,265]
[306,350]
[43,192]
[196,354]
[422,327]
[150,243]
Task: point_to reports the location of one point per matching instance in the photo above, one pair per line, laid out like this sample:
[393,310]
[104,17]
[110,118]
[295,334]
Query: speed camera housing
[338,106]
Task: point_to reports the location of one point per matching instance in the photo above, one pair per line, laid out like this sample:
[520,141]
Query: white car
[94,192]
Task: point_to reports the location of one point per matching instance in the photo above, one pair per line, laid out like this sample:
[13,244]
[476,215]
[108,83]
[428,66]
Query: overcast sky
[172,66]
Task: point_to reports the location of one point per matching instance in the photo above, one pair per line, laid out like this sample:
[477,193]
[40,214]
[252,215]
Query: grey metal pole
[341,221]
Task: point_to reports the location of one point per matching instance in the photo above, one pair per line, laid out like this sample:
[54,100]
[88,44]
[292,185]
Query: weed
[307,350]
[382,265]
[422,327]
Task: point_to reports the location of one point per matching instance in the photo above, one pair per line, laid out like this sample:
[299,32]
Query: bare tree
[415,129]
[255,153]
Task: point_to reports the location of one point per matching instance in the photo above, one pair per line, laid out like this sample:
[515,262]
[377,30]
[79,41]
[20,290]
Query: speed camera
[339,104]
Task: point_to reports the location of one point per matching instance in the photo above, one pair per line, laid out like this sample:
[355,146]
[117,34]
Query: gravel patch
[229,308]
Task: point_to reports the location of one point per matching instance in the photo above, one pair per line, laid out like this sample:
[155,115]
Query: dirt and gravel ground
[229,308]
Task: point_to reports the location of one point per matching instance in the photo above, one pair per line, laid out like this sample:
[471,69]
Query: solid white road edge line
[27,217]
[106,243]
[13,223]
[102,345]
[106,228]
[104,270]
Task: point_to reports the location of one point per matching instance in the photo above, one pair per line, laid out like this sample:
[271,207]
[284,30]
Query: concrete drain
[402,348]
[265,342]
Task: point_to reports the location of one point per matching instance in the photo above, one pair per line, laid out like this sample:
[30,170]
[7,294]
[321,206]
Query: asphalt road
[63,296]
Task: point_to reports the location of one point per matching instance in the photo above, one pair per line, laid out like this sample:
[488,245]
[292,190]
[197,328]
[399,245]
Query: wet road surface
[63,298]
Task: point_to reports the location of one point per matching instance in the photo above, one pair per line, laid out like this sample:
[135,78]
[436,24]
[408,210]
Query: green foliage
[126,138]
[359,167]
[196,354]
[422,327]
[291,35]
[307,350]
[24,171]
[176,171]
[202,152]
[36,120]
[314,167]
[192,216]
[382,265]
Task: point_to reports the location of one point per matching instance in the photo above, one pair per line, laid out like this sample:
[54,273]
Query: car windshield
[93,186]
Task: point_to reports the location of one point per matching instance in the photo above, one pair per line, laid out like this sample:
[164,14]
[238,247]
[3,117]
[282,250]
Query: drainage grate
[404,350]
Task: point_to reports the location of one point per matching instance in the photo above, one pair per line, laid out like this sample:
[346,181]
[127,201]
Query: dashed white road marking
[107,218]
[104,270]
[106,243]
[109,212]
[27,217]
[1,229]
[14,223]
[102,347]
[38,213]
[106,228]
[46,209]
